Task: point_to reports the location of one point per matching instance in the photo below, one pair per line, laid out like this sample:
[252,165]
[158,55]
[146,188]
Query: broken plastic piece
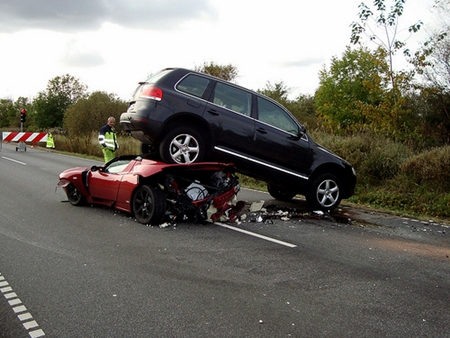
[256,206]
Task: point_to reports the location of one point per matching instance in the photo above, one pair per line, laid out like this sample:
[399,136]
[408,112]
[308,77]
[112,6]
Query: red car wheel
[73,195]
[149,205]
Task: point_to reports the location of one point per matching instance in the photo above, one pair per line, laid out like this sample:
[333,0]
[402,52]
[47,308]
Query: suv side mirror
[302,130]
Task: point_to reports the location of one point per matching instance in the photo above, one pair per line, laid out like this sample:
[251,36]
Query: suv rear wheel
[325,192]
[182,145]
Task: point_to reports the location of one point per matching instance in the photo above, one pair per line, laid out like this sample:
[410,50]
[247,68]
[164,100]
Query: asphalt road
[90,272]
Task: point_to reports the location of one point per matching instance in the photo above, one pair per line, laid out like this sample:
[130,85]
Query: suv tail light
[151,92]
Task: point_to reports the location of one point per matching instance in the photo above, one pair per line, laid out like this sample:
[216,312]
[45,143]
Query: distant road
[92,272]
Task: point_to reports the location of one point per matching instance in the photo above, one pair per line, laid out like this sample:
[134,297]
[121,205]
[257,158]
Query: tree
[50,105]
[88,114]
[432,62]
[225,72]
[278,92]
[351,90]
[383,30]
[7,116]
[304,109]
[354,95]
[433,59]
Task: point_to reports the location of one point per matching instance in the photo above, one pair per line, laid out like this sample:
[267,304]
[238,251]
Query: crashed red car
[152,190]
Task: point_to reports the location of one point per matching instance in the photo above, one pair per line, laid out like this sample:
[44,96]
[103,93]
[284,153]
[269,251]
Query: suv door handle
[213,112]
[261,130]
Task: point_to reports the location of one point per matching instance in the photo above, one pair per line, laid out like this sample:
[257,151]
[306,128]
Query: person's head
[111,121]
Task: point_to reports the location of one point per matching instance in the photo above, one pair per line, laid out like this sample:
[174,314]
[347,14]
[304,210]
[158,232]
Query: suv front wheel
[325,192]
[182,145]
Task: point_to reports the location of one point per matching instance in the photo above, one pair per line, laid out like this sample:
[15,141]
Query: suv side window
[232,98]
[193,84]
[275,116]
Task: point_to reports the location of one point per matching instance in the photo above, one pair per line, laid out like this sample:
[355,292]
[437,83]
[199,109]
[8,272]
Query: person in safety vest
[50,142]
[107,139]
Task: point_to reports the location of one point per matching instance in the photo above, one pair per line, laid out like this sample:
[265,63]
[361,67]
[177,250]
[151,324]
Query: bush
[88,145]
[430,168]
[90,114]
[375,158]
[391,176]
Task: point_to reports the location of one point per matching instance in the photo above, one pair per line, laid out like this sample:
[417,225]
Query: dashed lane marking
[17,306]
[13,160]
[270,239]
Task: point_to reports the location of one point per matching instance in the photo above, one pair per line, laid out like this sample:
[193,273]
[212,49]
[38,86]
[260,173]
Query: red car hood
[73,171]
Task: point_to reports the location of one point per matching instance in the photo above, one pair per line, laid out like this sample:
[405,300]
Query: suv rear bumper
[141,128]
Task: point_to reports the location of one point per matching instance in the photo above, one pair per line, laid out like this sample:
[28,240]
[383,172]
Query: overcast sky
[111,45]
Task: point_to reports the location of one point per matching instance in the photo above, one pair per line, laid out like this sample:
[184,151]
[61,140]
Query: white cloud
[82,15]
[78,55]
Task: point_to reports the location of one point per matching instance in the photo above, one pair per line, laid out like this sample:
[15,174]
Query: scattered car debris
[256,206]
[257,213]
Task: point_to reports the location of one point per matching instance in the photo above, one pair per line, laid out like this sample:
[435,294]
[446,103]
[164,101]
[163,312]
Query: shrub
[375,158]
[88,145]
[430,168]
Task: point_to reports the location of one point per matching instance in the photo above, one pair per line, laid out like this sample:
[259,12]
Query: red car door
[104,183]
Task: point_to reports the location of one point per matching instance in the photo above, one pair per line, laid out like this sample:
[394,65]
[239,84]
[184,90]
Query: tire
[325,192]
[73,195]
[280,193]
[149,205]
[182,145]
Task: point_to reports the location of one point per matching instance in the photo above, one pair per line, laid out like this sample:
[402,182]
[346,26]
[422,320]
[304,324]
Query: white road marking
[37,334]
[19,309]
[15,301]
[270,239]
[30,325]
[13,160]
[25,317]
[10,295]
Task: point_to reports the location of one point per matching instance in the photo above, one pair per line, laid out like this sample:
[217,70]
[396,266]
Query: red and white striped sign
[15,136]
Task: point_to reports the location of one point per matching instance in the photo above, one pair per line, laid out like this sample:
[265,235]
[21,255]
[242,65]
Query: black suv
[185,116]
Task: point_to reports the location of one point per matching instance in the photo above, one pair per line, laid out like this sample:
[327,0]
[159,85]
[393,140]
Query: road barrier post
[22,137]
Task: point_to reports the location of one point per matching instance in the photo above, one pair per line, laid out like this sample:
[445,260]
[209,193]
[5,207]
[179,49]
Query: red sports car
[152,190]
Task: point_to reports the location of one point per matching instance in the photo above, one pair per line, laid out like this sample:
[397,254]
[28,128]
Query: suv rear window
[193,84]
[153,78]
